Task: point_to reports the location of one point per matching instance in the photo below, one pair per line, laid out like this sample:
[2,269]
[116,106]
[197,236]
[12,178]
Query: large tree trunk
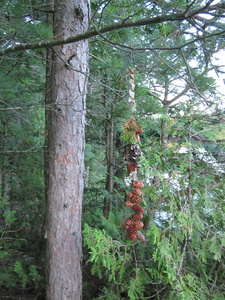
[66,92]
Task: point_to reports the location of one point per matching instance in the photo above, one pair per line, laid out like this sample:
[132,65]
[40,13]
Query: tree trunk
[110,166]
[3,161]
[66,93]
[164,134]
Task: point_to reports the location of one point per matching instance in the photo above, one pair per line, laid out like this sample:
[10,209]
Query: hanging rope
[131,99]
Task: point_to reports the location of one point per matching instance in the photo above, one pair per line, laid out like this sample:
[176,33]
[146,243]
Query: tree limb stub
[125,24]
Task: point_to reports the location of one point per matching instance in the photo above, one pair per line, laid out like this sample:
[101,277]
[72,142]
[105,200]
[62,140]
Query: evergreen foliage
[182,112]
[22,201]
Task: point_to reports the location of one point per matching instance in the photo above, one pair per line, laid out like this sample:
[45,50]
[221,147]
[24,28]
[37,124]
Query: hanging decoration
[131,135]
[131,99]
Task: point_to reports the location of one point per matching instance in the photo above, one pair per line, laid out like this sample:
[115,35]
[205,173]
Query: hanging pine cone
[137,192]
[132,233]
[129,223]
[140,236]
[138,184]
[136,217]
[130,195]
[128,203]
[131,135]
[138,209]
[135,199]
[139,224]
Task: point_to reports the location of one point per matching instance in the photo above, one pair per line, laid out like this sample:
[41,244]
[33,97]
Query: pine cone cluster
[138,184]
[130,134]
[133,224]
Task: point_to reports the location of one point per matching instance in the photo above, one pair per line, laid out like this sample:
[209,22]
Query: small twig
[182,258]
[153,296]
[21,107]
[192,84]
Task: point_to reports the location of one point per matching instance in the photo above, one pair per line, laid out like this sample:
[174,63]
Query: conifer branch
[125,24]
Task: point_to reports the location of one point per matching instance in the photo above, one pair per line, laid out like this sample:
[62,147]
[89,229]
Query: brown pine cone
[130,195]
[132,233]
[129,222]
[135,199]
[128,203]
[137,192]
[138,184]
[136,217]
[138,209]
[139,224]
[131,237]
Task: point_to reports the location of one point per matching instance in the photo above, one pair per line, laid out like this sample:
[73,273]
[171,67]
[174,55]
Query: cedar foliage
[184,178]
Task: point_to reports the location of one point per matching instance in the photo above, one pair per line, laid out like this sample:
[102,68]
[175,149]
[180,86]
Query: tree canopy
[175,49]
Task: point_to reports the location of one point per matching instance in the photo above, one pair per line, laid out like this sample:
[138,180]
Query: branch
[201,139]
[182,257]
[163,48]
[21,152]
[125,24]
[21,107]
[192,83]
[168,102]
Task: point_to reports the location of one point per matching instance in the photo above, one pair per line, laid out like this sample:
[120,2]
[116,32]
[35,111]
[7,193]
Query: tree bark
[164,134]
[3,162]
[65,124]
[110,165]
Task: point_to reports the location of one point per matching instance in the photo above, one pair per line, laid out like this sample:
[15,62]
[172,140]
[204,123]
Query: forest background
[181,109]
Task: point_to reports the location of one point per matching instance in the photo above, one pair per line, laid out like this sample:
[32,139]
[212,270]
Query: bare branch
[202,139]
[21,107]
[179,95]
[182,258]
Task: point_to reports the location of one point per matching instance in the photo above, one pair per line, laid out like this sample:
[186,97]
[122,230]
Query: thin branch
[182,258]
[192,84]
[179,95]
[153,296]
[217,185]
[129,23]
[164,48]
[190,5]
[21,107]
[20,152]
[16,230]
[201,139]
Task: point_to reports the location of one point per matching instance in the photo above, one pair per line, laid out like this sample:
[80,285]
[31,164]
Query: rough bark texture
[66,91]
